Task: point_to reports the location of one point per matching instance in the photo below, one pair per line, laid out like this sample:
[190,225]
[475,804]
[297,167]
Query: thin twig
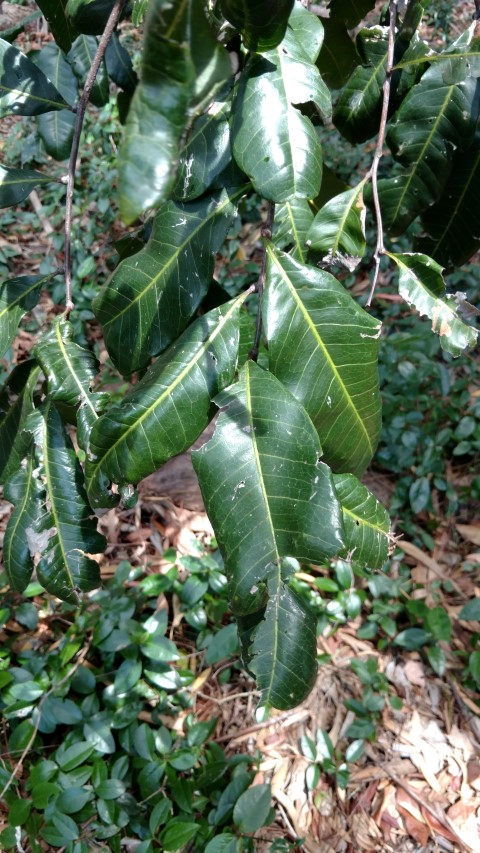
[267,235]
[80,659]
[373,175]
[72,164]
[288,718]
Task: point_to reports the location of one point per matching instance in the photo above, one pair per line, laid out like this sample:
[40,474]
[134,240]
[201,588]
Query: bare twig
[373,174]
[72,165]
[267,235]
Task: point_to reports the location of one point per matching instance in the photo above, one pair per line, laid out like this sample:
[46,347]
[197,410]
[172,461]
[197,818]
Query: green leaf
[89,16]
[474,666]
[182,66]
[224,843]
[273,142]
[435,118]
[252,808]
[17,184]
[366,522]
[470,611]
[412,638]
[24,491]
[169,408]
[358,109]
[73,756]
[110,789]
[261,22]
[291,225]
[350,11]
[177,834]
[70,372]
[152,295]
[62,531]
[452,235]
[16,403]
[60,25]
[437,660]
[119,65]
[24,89]
[19,812]
[338,55]
[56,128]
[17,296]
[324,348]
[72,800]
[80,57]
[421,285]
[339,229]
[224,644]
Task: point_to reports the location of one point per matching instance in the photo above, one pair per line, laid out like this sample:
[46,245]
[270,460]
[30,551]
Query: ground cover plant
[227,115]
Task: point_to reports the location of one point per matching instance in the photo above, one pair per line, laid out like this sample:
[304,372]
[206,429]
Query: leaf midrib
[57,525]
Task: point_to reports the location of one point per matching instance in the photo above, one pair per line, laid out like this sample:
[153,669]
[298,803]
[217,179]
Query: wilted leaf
[421,285]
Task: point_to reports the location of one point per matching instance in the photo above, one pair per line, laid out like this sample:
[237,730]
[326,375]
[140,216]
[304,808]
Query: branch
[267,235]
[380,248]
[72,164]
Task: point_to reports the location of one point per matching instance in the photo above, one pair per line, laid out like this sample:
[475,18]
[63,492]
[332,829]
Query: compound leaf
[273,142]
[261,22]
[152,295]
[324,348]
[182,66]
[339,229]
[366,522]
[54,515]
[17,184]
[56,128]
[421,285]
[265,491]
[24,89]
[169,408]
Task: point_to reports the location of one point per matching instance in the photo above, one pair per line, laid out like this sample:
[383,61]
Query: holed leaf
[451,225]
[421,285]
[60,24]
[366,522]
[324,348]
[265,491]
[182,66]
[168,409]
[283,654]
[152,295]
[273,142]
[339,229]
[261,22]
[17,184]
[24,89]
[81,56]
[56,128]
[17,296]
[16,403]
[53,514]
[291,225]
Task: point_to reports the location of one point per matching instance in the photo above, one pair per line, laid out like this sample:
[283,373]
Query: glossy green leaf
[24,89]
[24,491]
[206,153]
[61,26]
[358,109]
[119,65]
[16,403]
[89,16]
[366,522]
[178,833]
[350,11]
[435,118]
[80,57]
[262,464]
[17,296]
[252,808]
[17,184]
[421,284]
[169,408]
[324,348]
[182,66]
[152,295]
[56,128]
[70,372]
[261,22]
[53,514]
[338,229]
[338,56]
[273,142]
[291,225]
[470,611]
[451,225]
